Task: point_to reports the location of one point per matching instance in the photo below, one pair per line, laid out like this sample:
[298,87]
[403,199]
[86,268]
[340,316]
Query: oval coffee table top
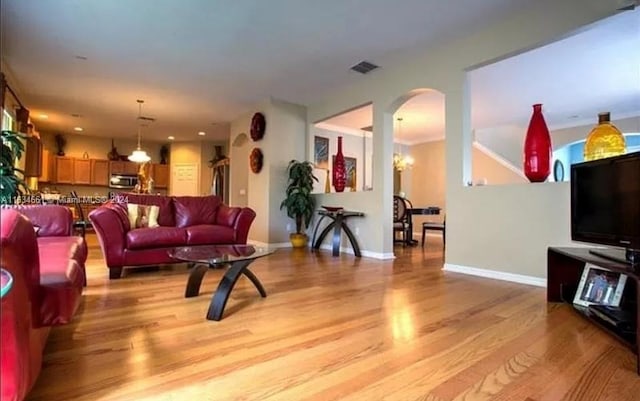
[219,254]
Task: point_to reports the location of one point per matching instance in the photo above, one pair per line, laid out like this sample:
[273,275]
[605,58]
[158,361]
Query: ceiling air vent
[364,67]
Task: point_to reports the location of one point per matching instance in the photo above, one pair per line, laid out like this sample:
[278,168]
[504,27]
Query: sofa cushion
[61,281]
[156,237]
[166,212]
[210,234]
[70,248]
[195,210]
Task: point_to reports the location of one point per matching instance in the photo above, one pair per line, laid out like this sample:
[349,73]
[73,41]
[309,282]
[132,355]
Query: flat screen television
[605,206]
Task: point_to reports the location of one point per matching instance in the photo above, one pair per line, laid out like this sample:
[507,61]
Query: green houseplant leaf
[12,181]
[298,202]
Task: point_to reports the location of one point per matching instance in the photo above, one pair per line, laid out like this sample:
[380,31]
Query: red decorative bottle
[339,170]
[537,148]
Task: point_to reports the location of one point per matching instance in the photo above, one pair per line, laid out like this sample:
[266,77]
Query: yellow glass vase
[605,140]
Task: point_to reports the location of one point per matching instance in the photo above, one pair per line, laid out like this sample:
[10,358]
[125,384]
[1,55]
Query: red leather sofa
[183,220]
[48,270]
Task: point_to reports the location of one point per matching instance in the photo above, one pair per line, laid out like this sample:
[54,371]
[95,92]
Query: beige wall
[487,168]
[428,178]
[240,146]
[524,219]
[98,147]
[284,140]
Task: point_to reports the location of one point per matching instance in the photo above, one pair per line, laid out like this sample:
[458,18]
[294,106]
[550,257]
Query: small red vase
[537,148]
[339,170]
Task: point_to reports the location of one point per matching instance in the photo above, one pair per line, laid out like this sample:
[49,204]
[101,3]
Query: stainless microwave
[122,181]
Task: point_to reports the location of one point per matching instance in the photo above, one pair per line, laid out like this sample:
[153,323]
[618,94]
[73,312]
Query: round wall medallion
[558,171]
[258,126]
[255,160]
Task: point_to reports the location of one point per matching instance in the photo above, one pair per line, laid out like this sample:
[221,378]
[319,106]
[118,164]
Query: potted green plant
[12,181]
[298,202]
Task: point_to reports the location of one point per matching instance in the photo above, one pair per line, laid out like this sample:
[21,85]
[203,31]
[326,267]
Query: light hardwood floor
[330,329]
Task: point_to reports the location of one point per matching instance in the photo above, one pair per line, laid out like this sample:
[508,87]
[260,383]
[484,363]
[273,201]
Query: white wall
[514,213]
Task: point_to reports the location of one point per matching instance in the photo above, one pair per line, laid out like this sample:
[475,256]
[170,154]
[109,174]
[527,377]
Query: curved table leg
[195,280]
[219,299]
[323,234]
[249,274]
[337,234]
[315,231]
[352,240]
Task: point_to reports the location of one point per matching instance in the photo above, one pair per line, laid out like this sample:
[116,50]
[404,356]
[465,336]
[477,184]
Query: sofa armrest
[243,224]
[51,220]
[238,218]
[111,225]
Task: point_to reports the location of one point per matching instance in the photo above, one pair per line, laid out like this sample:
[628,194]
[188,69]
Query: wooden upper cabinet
[100,172]
[33,157]
[123,167]
[160,175]
[82,171]
[131,168]
[47,167]
[64,170]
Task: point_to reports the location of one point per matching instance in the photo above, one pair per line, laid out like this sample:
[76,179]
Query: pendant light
[401,162]
[139,155]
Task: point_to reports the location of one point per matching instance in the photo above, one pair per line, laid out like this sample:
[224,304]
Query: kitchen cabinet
[47,166]
[160,176]
[123,167]
[82,171]
[33,157]
[64,170]
[100,172]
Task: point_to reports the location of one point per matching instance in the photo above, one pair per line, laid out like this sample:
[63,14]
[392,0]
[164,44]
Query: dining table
[413,211]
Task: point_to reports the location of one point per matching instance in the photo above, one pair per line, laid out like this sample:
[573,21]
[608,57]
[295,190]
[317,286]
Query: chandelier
[139,155]
[401,162]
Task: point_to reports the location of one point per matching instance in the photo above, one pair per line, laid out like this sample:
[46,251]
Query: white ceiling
[198,62]
[201,63]
[574,78]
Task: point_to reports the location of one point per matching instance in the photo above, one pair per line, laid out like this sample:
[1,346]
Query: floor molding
[365,253]
[496,275]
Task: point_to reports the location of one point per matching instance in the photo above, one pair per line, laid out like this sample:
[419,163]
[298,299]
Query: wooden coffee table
[236,257]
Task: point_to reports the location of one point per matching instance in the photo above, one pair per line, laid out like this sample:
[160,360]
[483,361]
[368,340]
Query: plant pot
[298,240]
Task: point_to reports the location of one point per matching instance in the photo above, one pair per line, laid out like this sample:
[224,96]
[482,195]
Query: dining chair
[434,227]
[401,217]
[80,223]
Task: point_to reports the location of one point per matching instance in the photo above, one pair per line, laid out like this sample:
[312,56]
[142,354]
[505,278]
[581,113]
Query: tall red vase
[339,170]
[537,148]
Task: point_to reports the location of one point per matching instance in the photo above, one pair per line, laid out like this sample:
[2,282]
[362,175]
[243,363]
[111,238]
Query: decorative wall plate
[258,126]
[255,160]
[558,171]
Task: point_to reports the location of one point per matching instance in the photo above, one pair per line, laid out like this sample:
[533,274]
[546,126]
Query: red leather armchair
[183,220]
[42,295]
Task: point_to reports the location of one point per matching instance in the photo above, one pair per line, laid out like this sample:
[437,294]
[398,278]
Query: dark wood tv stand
[564,270]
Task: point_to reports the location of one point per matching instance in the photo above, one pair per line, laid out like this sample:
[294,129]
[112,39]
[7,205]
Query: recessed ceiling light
[78,129]
[171,138]
[202,133]
[43,116]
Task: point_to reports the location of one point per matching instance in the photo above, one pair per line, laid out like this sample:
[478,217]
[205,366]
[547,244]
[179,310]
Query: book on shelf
[599,286]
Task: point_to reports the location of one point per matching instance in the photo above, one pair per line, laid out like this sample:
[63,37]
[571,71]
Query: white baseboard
[496,275]
[273,245]
[366,254]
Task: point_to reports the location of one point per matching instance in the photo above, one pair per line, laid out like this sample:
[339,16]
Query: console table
[564,270]
[338,224]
